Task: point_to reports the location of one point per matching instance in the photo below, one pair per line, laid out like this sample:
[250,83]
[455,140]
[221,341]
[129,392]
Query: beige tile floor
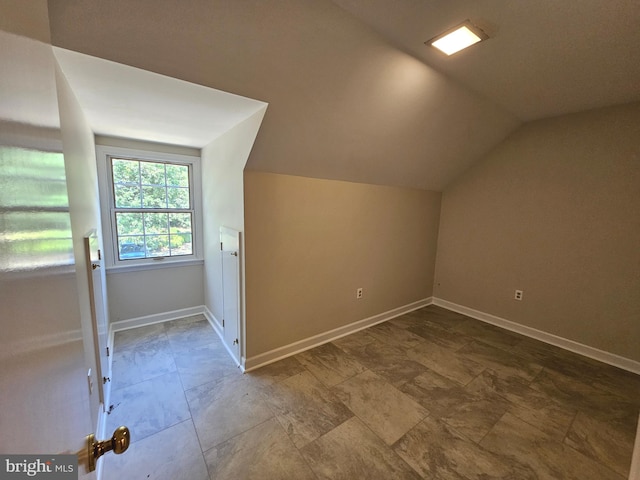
[432,394]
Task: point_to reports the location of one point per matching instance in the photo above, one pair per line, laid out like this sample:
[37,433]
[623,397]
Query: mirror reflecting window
[35,226]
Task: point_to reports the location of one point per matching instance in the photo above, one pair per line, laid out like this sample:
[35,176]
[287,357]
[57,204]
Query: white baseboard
[274,355]
[215,323]
[243,362]
[257,361]
[585,350]
[217,327]
[156,318]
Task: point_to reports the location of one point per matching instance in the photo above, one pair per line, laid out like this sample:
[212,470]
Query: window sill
[154,266]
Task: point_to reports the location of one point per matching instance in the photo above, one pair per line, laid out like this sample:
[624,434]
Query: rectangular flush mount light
[458,38]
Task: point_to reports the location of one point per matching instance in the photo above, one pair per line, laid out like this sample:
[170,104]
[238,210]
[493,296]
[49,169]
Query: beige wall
[32,22]
[553,211]
[311,243]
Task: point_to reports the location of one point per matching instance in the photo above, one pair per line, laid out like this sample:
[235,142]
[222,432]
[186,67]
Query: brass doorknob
[119,443]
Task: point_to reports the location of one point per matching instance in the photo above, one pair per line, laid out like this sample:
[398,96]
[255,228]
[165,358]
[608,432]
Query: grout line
[263,398]
[596,460]
[566,434]
[492,427]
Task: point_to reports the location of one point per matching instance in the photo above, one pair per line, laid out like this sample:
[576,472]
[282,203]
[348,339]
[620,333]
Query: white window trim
[103,154]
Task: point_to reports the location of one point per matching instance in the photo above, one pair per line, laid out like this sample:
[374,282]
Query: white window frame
[107,208]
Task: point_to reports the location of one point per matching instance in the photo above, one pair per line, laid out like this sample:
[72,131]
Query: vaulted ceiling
[353,92]
[544,57]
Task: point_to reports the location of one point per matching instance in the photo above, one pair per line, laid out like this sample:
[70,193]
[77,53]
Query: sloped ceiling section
[343,103]
[544,57]
[123,101]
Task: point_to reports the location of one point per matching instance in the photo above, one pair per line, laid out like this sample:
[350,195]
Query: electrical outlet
[518,295]
[359,293]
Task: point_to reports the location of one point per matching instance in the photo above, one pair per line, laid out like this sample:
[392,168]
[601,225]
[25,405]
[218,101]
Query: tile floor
[432,394]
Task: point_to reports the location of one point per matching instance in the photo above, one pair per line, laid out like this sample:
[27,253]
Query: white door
[230,251]
[44,376]
[97,296]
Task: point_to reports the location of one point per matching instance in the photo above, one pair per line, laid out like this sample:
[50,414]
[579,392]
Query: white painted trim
[215,323]
[100,434]
[156,318]
[167,263]
[243,361]
[274,355]
[585,350]
[217,327]
[105,190]
[110,339]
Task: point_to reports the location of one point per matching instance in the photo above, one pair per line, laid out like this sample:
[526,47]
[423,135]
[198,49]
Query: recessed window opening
[150,206]
[153,208]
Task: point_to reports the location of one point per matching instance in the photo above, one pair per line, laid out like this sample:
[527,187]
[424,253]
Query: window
[151,206]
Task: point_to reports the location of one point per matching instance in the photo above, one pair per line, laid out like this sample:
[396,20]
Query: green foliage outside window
[153,209]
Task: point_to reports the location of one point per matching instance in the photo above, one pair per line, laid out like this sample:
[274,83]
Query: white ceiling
[544,57]
[123,101]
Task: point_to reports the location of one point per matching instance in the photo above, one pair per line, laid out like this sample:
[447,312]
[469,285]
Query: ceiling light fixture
[458,38]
